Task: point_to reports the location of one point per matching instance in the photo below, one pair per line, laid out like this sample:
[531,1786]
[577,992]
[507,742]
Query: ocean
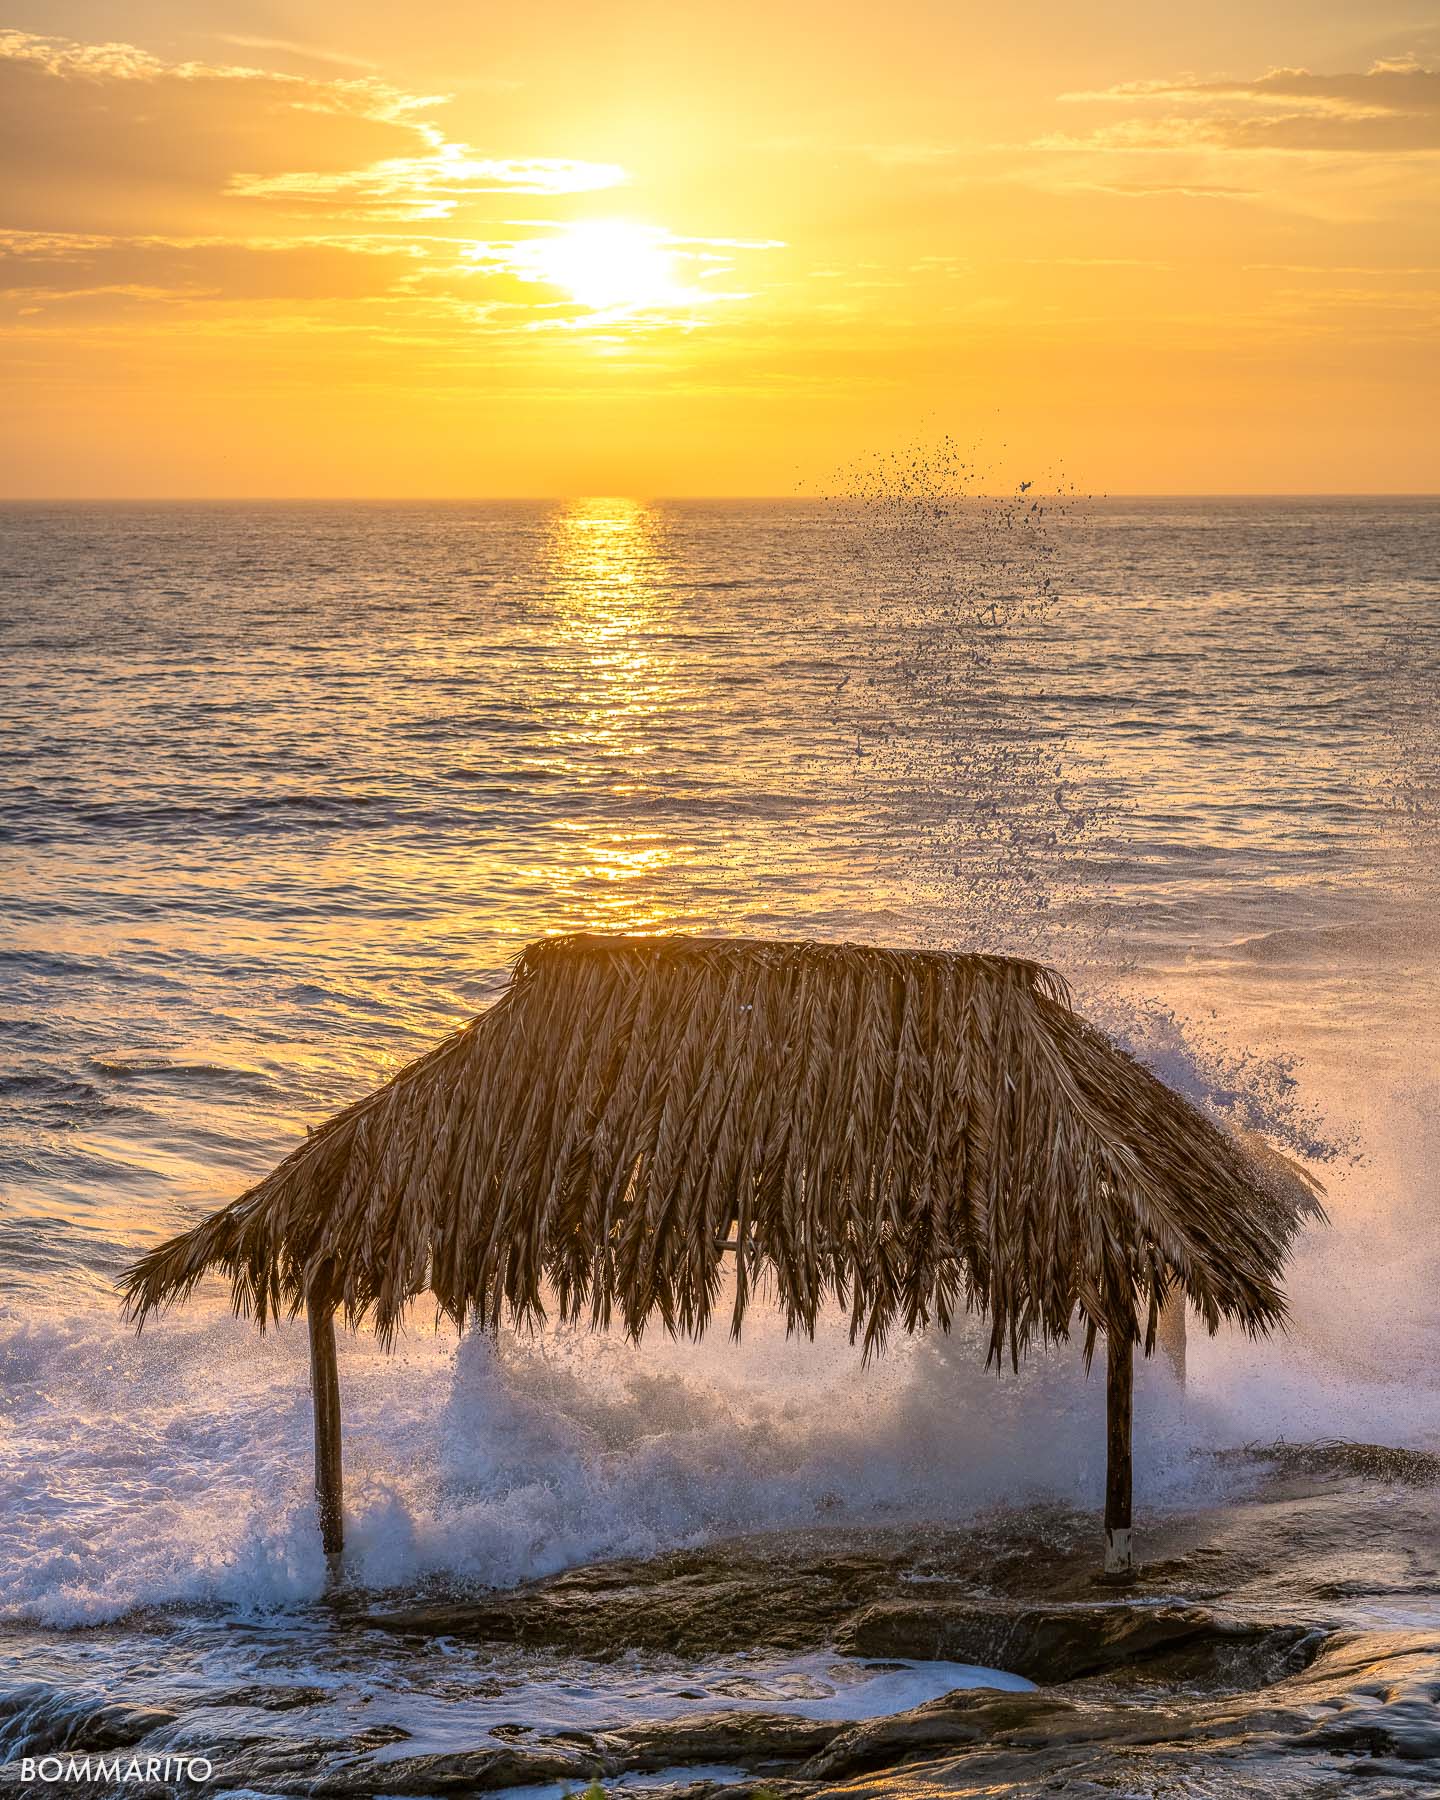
[287,787]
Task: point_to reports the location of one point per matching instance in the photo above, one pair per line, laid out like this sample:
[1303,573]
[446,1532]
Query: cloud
[106,137]
[334,59]
[431,186]
[40,270]
[1394,107]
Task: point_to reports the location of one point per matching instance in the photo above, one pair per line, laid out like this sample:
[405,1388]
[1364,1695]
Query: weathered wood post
[325,1391]
[1119,1408]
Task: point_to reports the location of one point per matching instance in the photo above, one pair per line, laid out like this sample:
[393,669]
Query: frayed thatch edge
[902,1133]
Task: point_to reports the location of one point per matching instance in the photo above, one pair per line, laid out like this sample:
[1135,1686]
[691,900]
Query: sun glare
[610,265]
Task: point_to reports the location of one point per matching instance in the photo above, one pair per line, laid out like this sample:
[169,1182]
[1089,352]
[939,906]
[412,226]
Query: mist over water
[288,786]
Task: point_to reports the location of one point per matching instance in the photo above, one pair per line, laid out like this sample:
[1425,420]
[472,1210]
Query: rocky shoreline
[1288,1644]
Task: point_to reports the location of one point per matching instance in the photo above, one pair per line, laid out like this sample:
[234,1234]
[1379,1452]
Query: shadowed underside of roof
[906,1134]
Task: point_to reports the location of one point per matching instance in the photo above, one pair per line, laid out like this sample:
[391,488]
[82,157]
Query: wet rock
[954,1721]
[749,1740]
[270,1699]
[1385,1706]
[691,1604]
[1058,1643]
[36,1720]
[755,1787]
[749,1787]
[459,1772]
[375,1735]
[1231,1662]
[761,1742]
[1364,1717]
[278,1765]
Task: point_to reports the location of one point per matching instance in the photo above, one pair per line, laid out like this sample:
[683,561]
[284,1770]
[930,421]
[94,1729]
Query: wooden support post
[1119,1406]
[325,1389]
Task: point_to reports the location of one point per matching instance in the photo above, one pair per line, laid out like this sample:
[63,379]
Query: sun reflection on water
[609,582]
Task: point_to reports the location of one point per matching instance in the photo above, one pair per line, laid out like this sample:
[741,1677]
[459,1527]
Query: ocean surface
[286,787]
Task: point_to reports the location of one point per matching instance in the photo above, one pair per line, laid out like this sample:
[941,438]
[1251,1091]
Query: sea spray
[998,823]
[492,1462]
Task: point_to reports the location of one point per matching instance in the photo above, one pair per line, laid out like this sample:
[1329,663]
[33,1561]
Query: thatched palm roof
[909,1134]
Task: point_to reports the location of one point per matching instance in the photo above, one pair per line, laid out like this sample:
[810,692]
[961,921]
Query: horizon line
[560,499]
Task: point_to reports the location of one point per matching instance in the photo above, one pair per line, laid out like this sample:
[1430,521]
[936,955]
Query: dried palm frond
[907,1134]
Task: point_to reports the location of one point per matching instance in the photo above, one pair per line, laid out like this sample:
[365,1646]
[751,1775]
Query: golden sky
[454,247]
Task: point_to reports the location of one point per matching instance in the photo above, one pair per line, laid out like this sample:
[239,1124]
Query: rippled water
[287,786]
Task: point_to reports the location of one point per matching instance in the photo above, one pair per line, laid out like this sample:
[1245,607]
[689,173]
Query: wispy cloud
[42,268]
[1394,106]
[430,186]
[272,46]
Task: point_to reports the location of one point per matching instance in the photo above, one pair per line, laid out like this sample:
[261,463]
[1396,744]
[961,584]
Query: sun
[611,266]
